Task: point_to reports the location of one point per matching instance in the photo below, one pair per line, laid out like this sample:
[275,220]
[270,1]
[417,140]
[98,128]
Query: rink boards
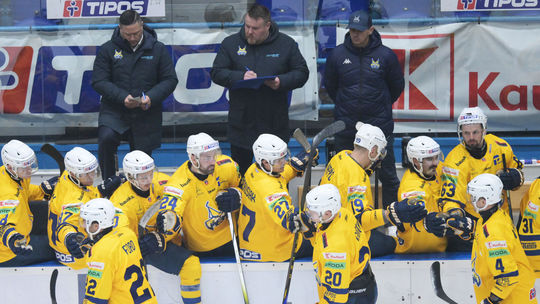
[400,279]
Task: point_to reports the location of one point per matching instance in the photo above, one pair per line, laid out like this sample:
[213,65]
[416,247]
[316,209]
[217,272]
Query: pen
[144,98]
[247,69]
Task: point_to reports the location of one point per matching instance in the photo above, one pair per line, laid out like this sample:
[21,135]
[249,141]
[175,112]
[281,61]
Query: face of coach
[131,28]
[257,26]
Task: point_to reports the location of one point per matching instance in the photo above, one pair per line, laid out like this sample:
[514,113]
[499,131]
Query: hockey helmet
[422,147]
[270,148]
[487,186]
[19,159]
[100,211]
[200,143]
[139,169]
[321,199]
[82,165]
[368,136]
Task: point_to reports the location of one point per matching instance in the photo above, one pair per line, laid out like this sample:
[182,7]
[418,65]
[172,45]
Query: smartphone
[137,99]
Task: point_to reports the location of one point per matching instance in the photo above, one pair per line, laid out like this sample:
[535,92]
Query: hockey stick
[507,191]
[54,277]
[301,139]
[147,216]
[238,263]
[324,133]
[53,152]
[437,284]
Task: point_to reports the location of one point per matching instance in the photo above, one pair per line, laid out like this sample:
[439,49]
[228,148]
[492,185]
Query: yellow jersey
[64,210]
[460,168]
[204,226]
[355,189]
[116,271]
[499,264]
[340,254]
[15,214]
[421,241]
[262,224]
[529,226]
[134,206]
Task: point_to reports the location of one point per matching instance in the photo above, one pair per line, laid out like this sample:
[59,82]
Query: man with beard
[258,50]
[477,153]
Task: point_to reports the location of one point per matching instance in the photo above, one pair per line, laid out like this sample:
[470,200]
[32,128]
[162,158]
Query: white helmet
[471,116]
[200,143]
[137,162]
[271,148]
[421,147]
[80,162]
[18,158]
[368,136]
[321,199]
[487,186]
[99,210]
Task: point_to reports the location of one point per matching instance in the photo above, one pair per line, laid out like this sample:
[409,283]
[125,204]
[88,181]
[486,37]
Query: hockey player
[501,271]
[477,153]
[74,188]
[17,248]
[422,181]
[341,253]
[191,201]
[116,271]
[529,225]
[347,171]
[263,226]
[144,188]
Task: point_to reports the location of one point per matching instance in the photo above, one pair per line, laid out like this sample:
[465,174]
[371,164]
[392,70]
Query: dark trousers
[381,244]
[363,289]
[243,157]
[108,142]
[387,172]
[41,252]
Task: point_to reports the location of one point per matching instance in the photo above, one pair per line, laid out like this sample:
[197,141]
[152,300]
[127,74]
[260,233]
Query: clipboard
[253,83]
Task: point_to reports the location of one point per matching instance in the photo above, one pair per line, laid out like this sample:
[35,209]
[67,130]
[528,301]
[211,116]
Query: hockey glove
[17,244]
[462,226]
[167,222]
[109,185]
[300,160]
[435,222]
[229,200]
[294,224]
[152,242]
[511,179]
[300,223]
[47,186]
[492,299]
[74,242]
[406,211]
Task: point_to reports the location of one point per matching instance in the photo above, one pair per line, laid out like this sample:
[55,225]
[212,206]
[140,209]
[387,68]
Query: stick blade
[435,272]
[54,277]
[301,139]
[54,154]
[330,130]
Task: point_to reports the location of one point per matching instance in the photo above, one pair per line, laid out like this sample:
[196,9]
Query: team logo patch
[532,293]
[335,255]
[241,51]
[215,217]
[532,207]
[496,244]
[118,54]
[173,191]
[375,65]
[223,161]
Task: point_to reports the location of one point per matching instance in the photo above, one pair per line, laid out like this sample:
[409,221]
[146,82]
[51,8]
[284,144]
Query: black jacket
[364,83]
[118,72]
[253,112]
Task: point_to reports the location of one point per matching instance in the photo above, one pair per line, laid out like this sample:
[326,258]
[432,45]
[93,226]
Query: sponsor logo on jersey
[335,255]
[96,265]
[461,161]
[528,245]
[249,255]
[64,258]
[223,161]
[527,213]
[241,51]
[413,194]
[502,144]
[74,208]
[9,203]
[375,65]
[533,207]
[498,253]
[95,273]
[450,171]
[357,188]
[496,244]
[274,197]
[173,191]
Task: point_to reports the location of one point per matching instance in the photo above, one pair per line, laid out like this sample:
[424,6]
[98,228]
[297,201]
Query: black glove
[167,222]
[462,226]
[152,242]
[492,299]
[17,244]
[406,212]
[109,185]
[435,222]
[511,179]
[228,200]
[294,224]
[300,223]
[74,243]
[299,161]
[47,186]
